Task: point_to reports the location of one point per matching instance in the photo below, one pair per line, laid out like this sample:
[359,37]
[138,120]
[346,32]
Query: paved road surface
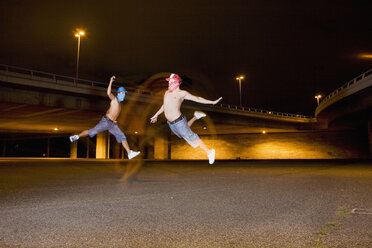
[80,203]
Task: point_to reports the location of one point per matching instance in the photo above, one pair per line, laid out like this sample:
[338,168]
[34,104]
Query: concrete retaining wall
[303,145]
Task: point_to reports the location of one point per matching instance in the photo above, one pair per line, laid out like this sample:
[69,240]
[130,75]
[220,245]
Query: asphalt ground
[116,203]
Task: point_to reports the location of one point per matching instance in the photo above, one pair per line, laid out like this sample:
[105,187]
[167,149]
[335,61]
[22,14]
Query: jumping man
[172,101]
[108,122]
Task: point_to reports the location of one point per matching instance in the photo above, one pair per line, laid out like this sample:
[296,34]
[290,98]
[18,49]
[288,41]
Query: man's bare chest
[175,96]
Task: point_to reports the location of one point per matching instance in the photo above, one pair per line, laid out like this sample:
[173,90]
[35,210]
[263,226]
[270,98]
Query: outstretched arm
[110,95]
[199,99]
[155,117]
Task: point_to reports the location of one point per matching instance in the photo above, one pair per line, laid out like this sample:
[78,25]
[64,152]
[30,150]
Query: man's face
[173,84]
[121,96]
[172,80]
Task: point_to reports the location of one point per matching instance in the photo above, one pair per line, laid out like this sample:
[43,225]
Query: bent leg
[77,136]
[191,121]
[126,146]
[211,153]
[197,116]
[119,135]
[102,126]
[83,133]
[121,138]
[204,147]
[131,154]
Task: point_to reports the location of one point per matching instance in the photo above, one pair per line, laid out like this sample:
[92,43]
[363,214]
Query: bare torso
[114,109]
[172,104]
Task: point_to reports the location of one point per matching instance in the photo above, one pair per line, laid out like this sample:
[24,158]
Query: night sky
[288,50]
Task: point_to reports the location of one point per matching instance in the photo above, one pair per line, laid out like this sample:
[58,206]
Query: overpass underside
[33,110]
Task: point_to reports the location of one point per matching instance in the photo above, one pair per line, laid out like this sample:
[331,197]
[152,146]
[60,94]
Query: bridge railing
[76,82]
[262,111]
[344,87]
[56,77]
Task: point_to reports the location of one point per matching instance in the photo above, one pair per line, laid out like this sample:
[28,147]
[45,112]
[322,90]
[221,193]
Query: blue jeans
[182,130]
[107,125]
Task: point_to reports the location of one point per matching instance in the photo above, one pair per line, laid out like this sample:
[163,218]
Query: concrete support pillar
[102,145]
[370,138]
[116,150]
[3,150]
[73,149]
[48,148]
[162,146]
[88,142]
[150,148]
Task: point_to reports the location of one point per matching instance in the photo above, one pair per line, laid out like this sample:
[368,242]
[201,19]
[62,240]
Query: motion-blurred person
[172,101]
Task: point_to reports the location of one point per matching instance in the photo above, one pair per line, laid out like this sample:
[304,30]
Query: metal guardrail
[344,87]
[262,111]
[75,82]
[56,77]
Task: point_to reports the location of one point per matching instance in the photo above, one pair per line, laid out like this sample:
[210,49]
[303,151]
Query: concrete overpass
[349,105]
[60,96]
[44,103]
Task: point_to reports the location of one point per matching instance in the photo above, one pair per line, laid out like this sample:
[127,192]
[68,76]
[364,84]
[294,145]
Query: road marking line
[361,211]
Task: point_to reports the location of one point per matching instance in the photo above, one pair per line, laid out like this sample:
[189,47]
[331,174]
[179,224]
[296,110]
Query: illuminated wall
[303,145]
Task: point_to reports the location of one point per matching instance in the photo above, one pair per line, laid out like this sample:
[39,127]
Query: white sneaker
[74,138]
[132,154]
[199,114]
[211,156]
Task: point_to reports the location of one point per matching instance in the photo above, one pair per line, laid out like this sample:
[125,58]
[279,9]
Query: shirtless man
[108,122]
[173,99]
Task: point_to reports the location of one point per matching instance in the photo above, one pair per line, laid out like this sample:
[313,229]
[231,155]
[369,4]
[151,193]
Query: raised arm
[109,94]
[199,99]
[155,117]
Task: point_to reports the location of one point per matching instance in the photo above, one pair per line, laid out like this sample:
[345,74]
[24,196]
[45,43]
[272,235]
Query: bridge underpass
[56,106]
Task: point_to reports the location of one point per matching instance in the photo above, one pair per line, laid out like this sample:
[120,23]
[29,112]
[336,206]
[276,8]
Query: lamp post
[78,35]
[317,98]
[240,78]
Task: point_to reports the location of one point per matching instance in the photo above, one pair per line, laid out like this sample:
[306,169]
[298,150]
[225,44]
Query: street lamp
[317,98]
[78,35]
[240,78]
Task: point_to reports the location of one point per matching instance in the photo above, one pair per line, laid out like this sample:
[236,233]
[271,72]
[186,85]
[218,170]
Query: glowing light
[240,78]
[79,33]
[136,132]
[56,129]
[204,128]
[365,56]
[318,97]
[264,131]
[283,149]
